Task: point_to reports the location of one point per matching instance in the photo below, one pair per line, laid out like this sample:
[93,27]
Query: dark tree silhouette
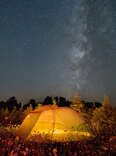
[3,105]
[48,100]
[62,102]
[33,103]
[98,104]
[25,106]
[57,100]
[68,103]
[11,103]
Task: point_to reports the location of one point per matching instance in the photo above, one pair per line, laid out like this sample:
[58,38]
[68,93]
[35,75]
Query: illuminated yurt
[56,123]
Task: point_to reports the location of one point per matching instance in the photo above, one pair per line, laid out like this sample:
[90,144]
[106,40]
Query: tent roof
[43,108]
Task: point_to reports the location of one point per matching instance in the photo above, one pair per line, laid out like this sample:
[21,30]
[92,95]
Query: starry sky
[57,47]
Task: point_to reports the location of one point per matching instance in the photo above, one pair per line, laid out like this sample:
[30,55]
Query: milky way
[93,51]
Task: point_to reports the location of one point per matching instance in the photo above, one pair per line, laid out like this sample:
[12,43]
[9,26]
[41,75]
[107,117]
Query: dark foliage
[48,100]
[15,146]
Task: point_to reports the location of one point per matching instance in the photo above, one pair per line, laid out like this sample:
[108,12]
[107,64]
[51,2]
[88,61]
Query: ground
[12,145]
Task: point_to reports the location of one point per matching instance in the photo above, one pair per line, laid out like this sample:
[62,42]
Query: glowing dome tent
[56,122]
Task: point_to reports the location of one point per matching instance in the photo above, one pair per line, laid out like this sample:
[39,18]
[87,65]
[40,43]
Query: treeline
[12,103]
[12,111]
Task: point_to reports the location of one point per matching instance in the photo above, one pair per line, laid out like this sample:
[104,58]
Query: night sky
[57,47]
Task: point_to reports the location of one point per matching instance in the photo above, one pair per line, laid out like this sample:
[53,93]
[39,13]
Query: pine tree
[103,119]
[77,105]
[106,103]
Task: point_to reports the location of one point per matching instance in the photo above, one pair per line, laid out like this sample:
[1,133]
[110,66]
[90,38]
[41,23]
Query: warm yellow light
[28,116]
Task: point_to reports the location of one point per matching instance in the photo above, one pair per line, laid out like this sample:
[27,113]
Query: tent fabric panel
[69,117]
[28,124]
[47,122]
